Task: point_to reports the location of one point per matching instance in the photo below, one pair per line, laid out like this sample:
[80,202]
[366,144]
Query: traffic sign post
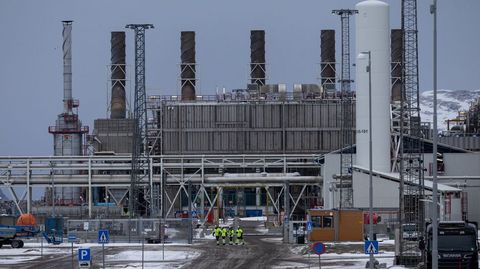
[309,229]
[319,248]
[371,247]
[309,226]
[84,258]
[72,238]
[103,238]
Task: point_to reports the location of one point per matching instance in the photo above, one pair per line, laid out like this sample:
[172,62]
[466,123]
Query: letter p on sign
[83,254]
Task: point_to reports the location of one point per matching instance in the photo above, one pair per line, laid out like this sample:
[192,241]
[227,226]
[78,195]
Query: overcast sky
[31,58]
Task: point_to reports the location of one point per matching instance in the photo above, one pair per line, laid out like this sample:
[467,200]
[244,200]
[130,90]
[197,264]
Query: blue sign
[103,236]
[72,238]
[84,255]
[309,226]
[371,247]
[319,248]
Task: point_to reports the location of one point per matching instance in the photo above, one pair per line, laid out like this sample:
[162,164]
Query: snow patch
[449,102]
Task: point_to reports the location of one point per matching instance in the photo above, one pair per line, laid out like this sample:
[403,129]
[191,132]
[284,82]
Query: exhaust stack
[68,131]
[118,71]
[188,71]
[257,57]
[327,66]
[67,67]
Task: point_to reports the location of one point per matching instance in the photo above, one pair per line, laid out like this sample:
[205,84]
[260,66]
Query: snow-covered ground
[261,218]
[152,259]
[129,258]
[349,260]
[29,252]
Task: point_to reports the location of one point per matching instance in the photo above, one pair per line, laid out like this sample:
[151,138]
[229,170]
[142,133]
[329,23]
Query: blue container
[253,212]
[54,226]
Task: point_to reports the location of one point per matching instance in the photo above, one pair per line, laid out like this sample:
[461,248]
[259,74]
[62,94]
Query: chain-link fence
[130,230]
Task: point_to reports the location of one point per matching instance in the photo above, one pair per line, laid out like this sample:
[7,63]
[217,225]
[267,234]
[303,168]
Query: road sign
[72,238]
[103,236]
[309,226]
[319,248]
[85,225]
[84,258]
[84,254]
[371,247]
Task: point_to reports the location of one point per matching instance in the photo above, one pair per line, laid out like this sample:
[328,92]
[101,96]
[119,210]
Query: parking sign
[84,254]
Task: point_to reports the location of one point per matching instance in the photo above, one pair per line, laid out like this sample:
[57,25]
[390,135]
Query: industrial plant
[298,155]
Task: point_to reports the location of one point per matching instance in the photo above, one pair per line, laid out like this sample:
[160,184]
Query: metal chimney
[188,80]
[257,57]
[67,67]
[396,43]
[68,130]
[118,69]
[327,65]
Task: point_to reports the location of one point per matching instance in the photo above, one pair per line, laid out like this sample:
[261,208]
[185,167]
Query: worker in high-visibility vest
[216,233]
[224,234]
[231,234]
[239,236]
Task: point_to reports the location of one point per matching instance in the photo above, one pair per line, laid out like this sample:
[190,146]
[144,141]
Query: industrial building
[266,149]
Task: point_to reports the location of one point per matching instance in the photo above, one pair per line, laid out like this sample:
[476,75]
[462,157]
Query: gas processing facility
[291,153]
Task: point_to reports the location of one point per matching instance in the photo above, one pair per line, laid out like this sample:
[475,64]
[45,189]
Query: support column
[202,192]
[90,188]
[286,207]
[29,189]
[258,196]
[190,226]
[219,202]
[152,191]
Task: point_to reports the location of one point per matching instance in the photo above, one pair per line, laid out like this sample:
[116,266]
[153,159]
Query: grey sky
[31,58]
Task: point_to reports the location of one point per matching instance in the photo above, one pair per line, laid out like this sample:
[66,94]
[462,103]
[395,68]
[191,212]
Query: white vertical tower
[373,35]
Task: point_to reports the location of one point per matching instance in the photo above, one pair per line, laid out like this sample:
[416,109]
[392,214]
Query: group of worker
[223,232]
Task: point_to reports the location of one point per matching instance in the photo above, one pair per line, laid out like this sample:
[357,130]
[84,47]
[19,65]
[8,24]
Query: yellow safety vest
[239,232]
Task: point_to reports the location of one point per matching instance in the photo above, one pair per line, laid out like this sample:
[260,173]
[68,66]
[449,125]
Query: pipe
[118,71]
[67,67]
[187,48]
[327,66]
[257,57]
[396,44]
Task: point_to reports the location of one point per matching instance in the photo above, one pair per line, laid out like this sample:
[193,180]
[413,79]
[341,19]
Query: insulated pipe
[118,107]
[396,44]
[187,48]
[257,57]
[327,48]
[67,66]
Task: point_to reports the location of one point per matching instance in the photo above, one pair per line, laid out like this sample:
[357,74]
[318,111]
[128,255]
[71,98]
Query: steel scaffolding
[346,95]
[140,161]
[410,150]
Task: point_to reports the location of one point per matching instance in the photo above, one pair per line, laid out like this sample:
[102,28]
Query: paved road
[259,251]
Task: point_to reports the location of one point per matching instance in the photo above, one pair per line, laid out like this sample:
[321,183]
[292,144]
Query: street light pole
[370,226]
[370,166]
[433,10]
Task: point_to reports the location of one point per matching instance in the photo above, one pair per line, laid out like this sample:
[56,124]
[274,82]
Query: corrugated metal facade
[465,142]
[249,127]
[114,135]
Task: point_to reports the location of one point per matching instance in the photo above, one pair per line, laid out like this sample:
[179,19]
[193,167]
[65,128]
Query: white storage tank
[373,35]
